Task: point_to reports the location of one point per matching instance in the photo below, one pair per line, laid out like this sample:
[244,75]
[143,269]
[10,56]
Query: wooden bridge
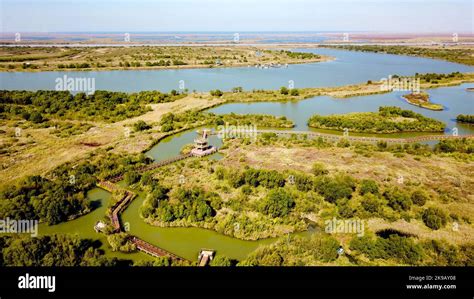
[153,250]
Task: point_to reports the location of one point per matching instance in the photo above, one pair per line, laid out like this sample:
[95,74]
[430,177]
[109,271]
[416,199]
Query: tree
[36,117]
[216,93]
[221,261]
[284,90]
[141,126]
[277,203]
[294,92]
[336,188]
[398,200]
[434,218]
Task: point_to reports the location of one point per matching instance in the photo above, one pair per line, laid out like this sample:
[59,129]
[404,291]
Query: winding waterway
[349,67]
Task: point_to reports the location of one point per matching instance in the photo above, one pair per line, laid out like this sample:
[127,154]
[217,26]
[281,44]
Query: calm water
[348,68]
[456,100]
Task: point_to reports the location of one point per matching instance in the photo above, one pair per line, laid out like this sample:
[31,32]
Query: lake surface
[456,100]
[348,68]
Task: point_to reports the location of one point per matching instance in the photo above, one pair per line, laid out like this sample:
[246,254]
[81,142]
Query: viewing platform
[202,147]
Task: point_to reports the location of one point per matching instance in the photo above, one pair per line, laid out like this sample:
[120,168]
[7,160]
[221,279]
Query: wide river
[348,68]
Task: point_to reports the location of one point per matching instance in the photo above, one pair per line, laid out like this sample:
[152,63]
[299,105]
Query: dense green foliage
[60,250]
[216,93]
[368,186]
[277,203]
[465,118]
[109,106]
[295,251]
[397,199]
[188,204]
[434,218]
[52,201]
[260,120]
[141,126]
[301,55]
[402,249]
[463,145]
[387,120]
[121,242]
[195,118]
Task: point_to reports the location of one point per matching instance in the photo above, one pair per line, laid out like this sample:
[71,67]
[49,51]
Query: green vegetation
[387,120]
[121,242]
[216,93]
[463,145]
[51,251]
[62,194]
[37,106]
[465,118]
[295,251]
[142,57]
[434,218]
[51,201]
[141,126]
[194,118]
[191,205]
[422,100]
[278,203]
[301,55]
[292,92]
[464,56]
[402,249]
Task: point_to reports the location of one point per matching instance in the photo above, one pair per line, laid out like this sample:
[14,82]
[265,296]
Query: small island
[386,120]
[422,100]
[470,89]
[465,118]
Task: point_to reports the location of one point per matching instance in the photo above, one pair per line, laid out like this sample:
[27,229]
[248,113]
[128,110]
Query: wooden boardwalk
[153,250]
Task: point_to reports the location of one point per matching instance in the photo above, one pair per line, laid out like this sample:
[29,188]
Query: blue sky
[237,15]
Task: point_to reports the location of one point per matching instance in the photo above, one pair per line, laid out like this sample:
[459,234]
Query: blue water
[348,68]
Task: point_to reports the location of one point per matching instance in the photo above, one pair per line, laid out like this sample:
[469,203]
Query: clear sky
[237,15]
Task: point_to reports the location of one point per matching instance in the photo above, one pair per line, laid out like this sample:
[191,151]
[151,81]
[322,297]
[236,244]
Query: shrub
[284,90]
[141,126]
[434,218]
[398,200]
[277,203]
[336,188]
[368,186]
[419,197]
[371,203]
[294,92]
[319,169]
[216,93]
